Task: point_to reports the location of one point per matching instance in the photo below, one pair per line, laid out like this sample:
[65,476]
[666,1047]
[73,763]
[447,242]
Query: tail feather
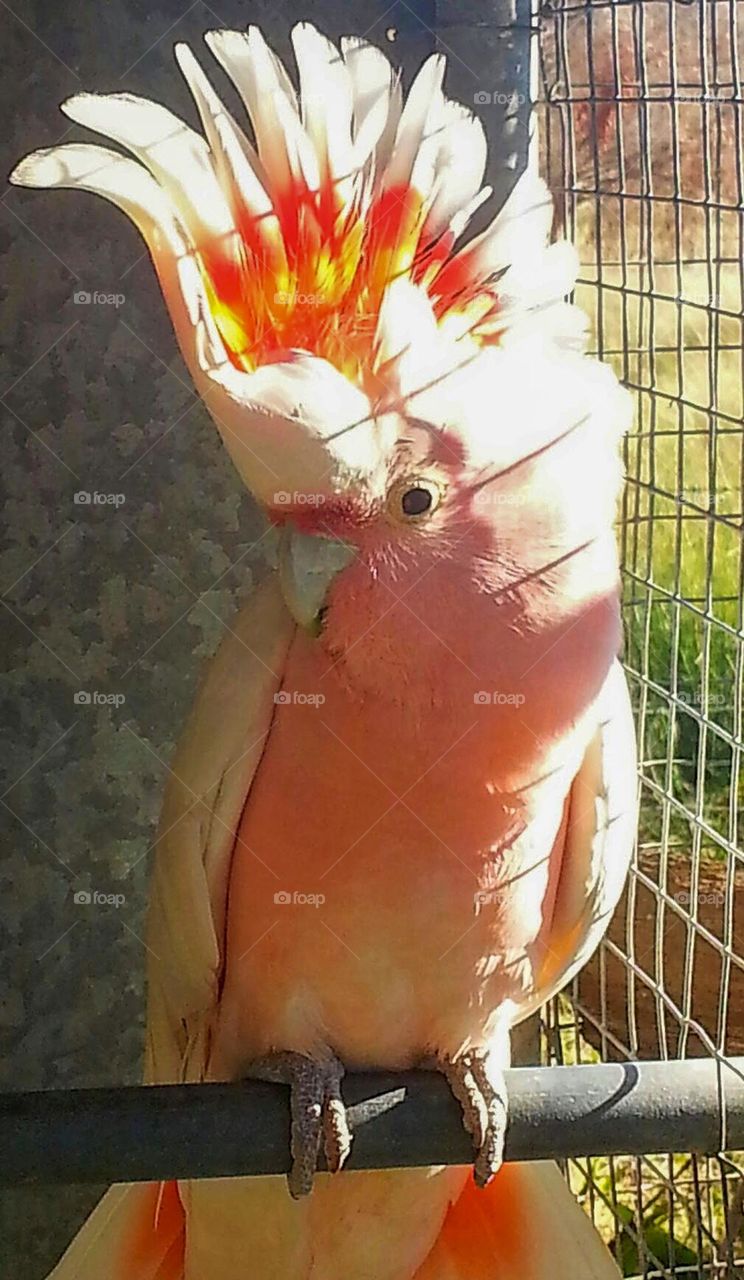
[526,1225]
[135,1233]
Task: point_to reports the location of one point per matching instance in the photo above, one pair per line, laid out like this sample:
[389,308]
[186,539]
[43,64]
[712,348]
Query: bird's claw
[478,1085]
[317,1110]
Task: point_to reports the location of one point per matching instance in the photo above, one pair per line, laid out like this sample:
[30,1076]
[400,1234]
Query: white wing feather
[209,781]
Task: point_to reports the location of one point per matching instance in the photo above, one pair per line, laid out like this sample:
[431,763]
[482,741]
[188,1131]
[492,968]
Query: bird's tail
[526,1225]
[136,1232]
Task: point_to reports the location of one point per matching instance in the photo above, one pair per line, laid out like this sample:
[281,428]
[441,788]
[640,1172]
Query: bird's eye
[413,499]
[416,501]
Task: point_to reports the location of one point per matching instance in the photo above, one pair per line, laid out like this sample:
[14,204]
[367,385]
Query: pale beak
[308,564]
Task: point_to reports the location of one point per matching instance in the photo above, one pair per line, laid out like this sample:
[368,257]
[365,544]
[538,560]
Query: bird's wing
[210,777]
[526,1223]
[599,835]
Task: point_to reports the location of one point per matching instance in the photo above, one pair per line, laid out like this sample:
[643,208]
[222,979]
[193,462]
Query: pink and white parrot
[402,810]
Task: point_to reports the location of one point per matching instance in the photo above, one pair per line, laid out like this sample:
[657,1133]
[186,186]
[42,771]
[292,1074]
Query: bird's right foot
[317,1110]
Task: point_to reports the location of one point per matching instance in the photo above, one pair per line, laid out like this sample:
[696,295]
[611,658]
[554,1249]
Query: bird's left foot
[478,1084]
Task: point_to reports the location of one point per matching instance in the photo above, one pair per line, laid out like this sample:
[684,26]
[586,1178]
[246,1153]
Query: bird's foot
[317,1110]
[477,1082]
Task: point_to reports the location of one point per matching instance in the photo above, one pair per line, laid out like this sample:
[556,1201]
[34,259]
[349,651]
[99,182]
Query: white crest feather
[319,168]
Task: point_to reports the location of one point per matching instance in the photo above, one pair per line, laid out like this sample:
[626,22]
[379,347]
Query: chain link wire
[641,128]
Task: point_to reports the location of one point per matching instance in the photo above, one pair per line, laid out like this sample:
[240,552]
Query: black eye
[413,497]
[415,502]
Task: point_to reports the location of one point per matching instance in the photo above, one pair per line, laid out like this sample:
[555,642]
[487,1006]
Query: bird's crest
[292,243]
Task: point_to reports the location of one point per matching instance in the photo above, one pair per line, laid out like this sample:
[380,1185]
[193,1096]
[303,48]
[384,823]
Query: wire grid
[641,137]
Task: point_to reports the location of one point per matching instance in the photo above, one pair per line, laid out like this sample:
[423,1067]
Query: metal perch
[398,1120]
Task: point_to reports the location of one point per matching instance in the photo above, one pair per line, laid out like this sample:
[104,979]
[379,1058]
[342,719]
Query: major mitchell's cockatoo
[420,718]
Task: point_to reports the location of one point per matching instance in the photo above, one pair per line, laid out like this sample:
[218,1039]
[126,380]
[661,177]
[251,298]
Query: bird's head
[416,413]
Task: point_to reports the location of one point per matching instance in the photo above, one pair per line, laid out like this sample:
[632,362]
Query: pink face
[488,563]
[417,500]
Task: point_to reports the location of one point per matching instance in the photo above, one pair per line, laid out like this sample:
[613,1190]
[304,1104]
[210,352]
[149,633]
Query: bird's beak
[308,564]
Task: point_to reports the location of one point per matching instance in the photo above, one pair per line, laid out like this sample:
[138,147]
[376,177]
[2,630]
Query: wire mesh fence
[641,139]
[641,134]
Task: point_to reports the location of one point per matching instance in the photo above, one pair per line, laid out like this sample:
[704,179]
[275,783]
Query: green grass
[683,363]
[683,580]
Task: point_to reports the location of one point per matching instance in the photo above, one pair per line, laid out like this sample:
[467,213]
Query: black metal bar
[487,44]
[222,1130]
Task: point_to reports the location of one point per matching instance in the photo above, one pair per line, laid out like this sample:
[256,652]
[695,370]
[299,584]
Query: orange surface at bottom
[156,1245]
